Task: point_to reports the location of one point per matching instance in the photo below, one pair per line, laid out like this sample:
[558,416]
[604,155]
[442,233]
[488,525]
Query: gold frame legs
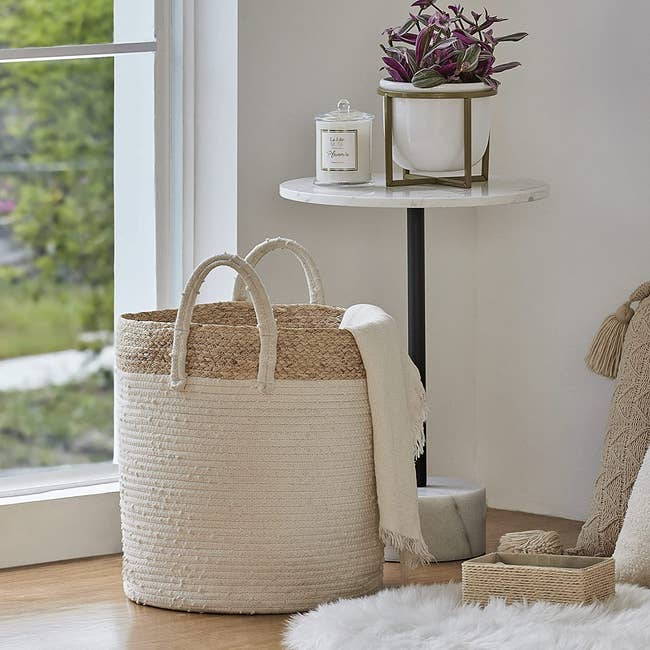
[464,181]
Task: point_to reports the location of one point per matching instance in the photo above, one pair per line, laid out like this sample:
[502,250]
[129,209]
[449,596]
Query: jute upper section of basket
[224,342]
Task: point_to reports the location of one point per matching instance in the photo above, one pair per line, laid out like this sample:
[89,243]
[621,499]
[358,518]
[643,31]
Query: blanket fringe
[418,553]
[417,430]
[418,434]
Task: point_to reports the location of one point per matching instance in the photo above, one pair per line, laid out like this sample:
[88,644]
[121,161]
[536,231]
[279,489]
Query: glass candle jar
[343,146]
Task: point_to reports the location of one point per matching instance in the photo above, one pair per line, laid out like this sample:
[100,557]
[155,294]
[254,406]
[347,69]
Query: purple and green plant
[435,47]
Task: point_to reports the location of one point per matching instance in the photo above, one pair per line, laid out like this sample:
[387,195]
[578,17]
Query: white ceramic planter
[428,134]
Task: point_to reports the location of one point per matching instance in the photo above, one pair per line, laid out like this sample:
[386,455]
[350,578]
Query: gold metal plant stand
[414,179]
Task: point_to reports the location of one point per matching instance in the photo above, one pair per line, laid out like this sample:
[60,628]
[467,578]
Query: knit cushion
[626,441]
[632,552]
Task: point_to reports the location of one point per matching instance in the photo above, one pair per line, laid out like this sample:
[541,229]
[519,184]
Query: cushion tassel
[604,356]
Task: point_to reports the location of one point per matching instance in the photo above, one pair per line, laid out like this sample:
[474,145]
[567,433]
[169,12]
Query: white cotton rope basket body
[246,460]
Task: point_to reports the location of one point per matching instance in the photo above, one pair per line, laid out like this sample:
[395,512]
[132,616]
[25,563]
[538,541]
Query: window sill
[61,524]
[61,493]
[30,481]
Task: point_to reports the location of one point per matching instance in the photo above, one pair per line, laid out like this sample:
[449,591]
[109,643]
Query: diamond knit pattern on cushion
[626,441]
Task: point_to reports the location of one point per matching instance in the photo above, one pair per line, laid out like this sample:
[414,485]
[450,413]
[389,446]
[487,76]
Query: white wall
[514,294]
[576,115]
[296,59]
[215,146]
[134,183]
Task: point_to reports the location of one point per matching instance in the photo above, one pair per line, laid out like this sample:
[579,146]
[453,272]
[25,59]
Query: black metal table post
[416,309]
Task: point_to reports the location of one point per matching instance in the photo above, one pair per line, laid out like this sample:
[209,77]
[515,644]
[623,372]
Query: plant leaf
[406,27]
[403,55]
[422,43]
[394,65]
[395,52]
[405,38]
[464,37]
[447,69]
[512,37]
[421,19]
[493,83]
[468,59]
[505,66]
[410,60]
[440,46]
[484,67]
[428,78]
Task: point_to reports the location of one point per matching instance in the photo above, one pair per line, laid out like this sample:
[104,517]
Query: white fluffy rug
[431,617]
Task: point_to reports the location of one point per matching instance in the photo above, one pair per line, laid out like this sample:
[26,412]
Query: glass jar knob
[343,106]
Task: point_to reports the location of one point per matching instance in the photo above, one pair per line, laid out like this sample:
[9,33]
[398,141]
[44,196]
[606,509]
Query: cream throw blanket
[398,409]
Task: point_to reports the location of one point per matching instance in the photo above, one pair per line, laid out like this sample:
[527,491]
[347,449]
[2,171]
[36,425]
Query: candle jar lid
[344,113]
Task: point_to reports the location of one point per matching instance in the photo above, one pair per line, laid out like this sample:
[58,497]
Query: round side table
[416,199]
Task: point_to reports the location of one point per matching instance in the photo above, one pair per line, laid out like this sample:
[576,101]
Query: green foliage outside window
[56,154]
[56,210]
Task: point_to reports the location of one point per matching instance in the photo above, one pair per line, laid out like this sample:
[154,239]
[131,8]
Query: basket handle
[312,274]
[263,311]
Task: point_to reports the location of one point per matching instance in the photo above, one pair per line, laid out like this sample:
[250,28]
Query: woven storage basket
[515,577]
[246,460]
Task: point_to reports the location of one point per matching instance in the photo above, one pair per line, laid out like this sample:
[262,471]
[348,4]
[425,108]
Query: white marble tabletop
[497,191]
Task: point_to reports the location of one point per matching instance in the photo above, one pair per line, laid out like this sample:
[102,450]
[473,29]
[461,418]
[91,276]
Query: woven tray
[553,578]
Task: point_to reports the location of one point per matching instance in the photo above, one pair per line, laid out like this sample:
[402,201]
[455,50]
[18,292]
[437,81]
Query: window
[56,282]
[80,83]
[57,146]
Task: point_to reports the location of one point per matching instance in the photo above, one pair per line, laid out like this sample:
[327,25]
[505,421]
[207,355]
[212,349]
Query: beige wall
[514,294]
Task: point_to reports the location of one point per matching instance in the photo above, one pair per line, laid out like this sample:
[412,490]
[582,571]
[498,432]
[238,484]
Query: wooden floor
[80,605]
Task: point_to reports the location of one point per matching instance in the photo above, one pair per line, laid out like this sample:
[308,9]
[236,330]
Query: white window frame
[73,512]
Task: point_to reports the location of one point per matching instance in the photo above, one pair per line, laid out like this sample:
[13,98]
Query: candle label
[339,150]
